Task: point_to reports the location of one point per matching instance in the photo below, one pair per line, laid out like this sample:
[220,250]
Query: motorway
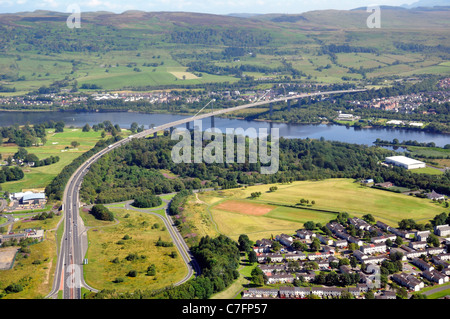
[69,273]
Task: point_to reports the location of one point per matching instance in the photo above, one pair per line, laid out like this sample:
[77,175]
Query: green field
[333,195]
[58,144]
[106,243]
[428,170]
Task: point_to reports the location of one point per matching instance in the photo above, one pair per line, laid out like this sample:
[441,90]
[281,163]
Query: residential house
[435,196]
[297,255]
[285,239]
[294,292]
[272,257]
[326,291]
[263,246]
[375,259]
[435,276]
[260,293]
[423,265]
[318,255]
[422,235]
[442,230]
[342,243]
[402,233]
[409,281]
[444,256]
[335,227]
[305,234]
[418,244]
[355,240]
[270,269]
[360,255]
[435,250]
[325,240]
[323,264]
[280,278]
[359,223]
[415,253]
[383,239]
[373,248]
[387,295]
[307,275]
[383,226]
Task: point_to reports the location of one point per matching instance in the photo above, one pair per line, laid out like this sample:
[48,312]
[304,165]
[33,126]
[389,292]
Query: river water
[328,132]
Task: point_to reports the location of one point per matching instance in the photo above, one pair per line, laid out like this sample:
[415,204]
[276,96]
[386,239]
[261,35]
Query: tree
[369,218]
[74,144]
[59,127]
[433,240]
[252,258]
[102,213]
[86,128]
[244,243]
[315,244]
[258,276]
[13,288]
[309,225]
[134,126]
[151,270]
[147,201]
[20,154]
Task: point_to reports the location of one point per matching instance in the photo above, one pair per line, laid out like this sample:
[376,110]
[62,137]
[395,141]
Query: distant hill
[427,3]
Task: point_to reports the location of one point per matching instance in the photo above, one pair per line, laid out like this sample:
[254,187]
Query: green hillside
[145,49]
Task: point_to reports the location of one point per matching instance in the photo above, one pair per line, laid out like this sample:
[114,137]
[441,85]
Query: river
[328,132]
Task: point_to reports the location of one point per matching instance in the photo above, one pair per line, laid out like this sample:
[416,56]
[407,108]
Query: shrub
[102,213]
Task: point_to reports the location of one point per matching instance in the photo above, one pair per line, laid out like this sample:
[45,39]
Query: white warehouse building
[403,161]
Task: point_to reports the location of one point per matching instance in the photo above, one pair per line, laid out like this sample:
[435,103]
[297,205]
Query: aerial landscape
[201,151]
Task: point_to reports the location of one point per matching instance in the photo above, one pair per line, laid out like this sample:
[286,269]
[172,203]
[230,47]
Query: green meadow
[108,251]
[331,196]
[58,144]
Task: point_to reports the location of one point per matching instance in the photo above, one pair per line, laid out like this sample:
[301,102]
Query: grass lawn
[336,195]
[427,170]
[40,177]
[106,243]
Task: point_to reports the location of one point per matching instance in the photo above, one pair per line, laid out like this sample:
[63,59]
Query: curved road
[69,272]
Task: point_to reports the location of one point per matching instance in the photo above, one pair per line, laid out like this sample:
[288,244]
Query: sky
[203,6]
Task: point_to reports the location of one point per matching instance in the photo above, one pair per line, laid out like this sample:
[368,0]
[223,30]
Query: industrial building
[405,162]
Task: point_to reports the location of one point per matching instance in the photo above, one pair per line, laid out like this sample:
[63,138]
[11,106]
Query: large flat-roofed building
[403,161]
[27,199]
